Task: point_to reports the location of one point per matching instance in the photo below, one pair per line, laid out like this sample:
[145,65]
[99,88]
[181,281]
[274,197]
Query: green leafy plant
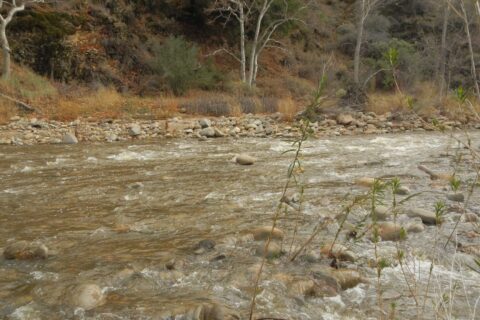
[177,62]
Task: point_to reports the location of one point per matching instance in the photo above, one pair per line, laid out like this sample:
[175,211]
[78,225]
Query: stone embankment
[29,131]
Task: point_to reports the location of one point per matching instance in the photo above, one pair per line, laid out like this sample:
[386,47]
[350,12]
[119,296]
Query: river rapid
[128,216]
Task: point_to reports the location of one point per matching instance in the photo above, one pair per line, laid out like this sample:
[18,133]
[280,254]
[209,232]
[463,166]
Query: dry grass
[108,103]
[381,103]
[28,87]
[211,104]
[289,108]
[7,110]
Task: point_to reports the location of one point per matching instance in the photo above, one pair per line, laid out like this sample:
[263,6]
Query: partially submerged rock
[274,250]
[347,278]
[204,245]
[69,138]
[365,182]
[456,197]
[312,288]
[390,231]
[87,296]
[23,250]
[245,159]
[381,213]
[204,311]
[338,251]
[436,175]
[208,132]
[262,233]
[402,190]
[428,217]
[134,130]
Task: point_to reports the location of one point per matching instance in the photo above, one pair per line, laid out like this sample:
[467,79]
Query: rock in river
[338,251]
[428,217]
[262,233]
[365,182]
[69,138]
[134,130]
[205,123]
[208,132]
[274,250]
[245,159]
[23,250]
[456,197]
[389,231]
[87,296]
[311,288]
[347,278]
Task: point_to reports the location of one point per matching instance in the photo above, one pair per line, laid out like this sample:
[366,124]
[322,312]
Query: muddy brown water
[105,209]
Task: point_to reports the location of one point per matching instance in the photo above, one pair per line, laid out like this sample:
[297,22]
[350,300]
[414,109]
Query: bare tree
[462,13]
[251,14]
[12,7]
[237,9]
[365,8]
[443,49]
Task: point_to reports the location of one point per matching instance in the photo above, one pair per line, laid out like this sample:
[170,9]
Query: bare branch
[218,51]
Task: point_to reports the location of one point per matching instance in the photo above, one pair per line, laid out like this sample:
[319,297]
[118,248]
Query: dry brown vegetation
[285,95]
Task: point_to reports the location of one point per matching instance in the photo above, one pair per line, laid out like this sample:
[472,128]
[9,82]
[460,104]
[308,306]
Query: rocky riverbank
[29,131]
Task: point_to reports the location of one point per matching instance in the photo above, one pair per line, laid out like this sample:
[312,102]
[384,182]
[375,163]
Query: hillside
[120,46]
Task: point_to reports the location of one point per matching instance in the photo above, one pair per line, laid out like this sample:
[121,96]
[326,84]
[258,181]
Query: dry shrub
[289,108]
[381,103]
[427,100]
[28,87]
[269,105]
[249,105]
[273,87]
[163,108]
[104,103]
[212,105]
[298,88]
[453,109]
[7,110]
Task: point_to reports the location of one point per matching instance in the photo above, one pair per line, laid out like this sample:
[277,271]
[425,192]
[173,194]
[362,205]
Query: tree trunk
[253,53]
[358,47]
[255,69]
[243,59]
[5,52]
[470,48]
[443,51]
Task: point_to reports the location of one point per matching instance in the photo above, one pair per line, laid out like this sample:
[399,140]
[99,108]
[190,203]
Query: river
[116,214]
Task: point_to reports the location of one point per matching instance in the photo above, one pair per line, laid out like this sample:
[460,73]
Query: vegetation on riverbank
[105,59]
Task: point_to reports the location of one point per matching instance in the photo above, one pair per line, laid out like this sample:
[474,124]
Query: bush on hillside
[177,62]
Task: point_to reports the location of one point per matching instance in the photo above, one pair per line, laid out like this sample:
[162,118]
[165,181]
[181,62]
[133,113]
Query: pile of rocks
[34,131]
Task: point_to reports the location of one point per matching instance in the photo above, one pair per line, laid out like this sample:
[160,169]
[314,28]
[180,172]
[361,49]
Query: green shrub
[177,61]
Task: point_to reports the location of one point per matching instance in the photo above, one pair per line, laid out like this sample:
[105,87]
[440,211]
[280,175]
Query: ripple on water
[133,155]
